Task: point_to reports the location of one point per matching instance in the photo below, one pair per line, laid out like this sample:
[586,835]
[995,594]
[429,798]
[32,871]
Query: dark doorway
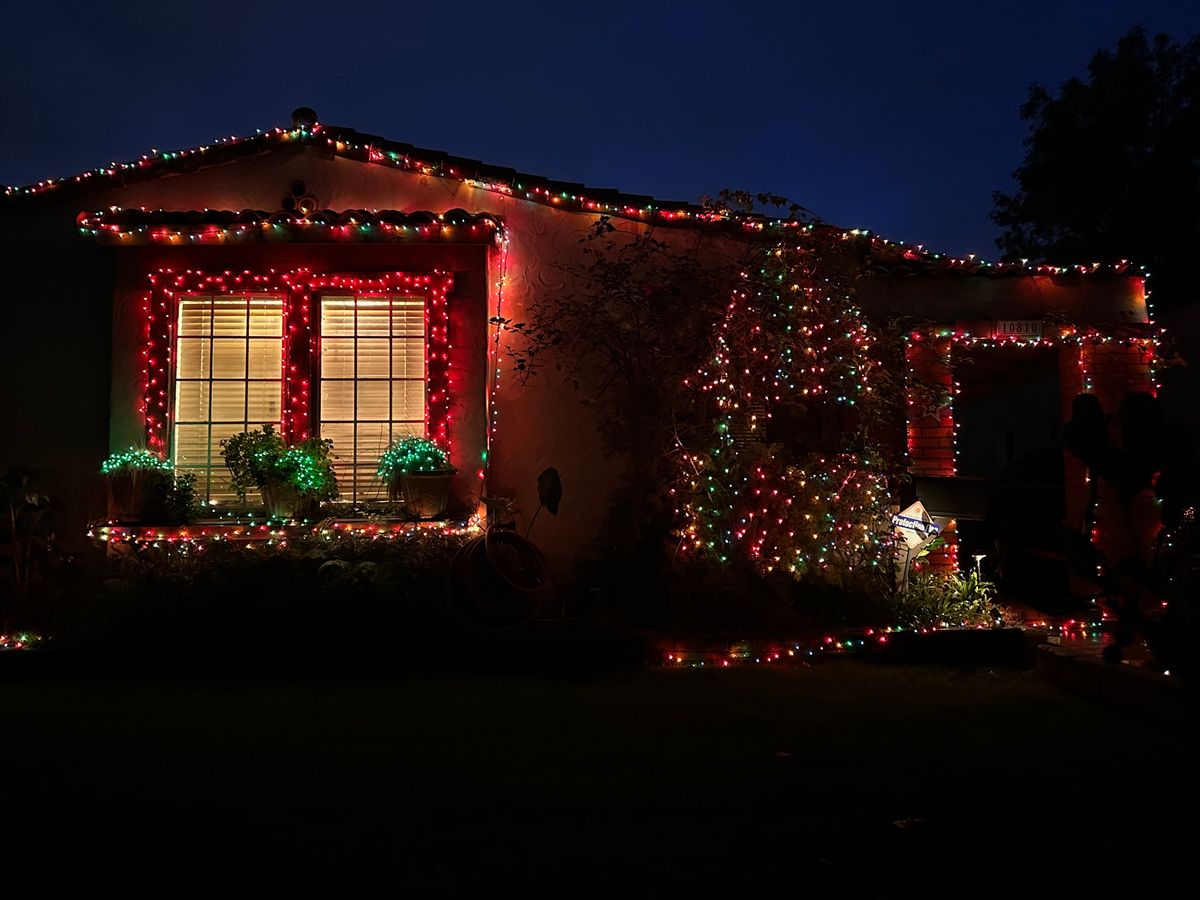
[1008,420]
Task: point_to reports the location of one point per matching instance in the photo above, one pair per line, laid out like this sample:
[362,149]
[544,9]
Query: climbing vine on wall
[709,359]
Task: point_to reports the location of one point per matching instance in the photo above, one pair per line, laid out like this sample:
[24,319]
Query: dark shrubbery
[703,595]
[231,600]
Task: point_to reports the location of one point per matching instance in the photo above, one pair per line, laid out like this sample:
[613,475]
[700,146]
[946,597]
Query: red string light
[299,347]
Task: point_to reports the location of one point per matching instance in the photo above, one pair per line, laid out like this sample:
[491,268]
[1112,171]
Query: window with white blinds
[372,383]
[228,368]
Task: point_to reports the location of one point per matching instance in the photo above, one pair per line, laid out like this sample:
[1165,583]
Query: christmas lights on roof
[125,227]
[347,143]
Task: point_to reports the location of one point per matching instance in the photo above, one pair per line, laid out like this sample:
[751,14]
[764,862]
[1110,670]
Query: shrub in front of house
[313,597]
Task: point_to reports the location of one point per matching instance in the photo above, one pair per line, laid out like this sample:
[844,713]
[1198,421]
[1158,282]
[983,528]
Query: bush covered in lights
[413,455]
[135,459]
[792,342]
[307,466]
[710,394]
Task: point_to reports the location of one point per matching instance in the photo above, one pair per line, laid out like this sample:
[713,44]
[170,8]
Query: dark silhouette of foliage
[26,528]
[1148,573]
[1112,166]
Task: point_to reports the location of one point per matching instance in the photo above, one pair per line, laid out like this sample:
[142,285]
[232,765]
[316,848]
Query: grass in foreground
[846,779]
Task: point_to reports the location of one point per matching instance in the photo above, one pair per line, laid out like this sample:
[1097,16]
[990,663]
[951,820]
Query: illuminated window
[372,377]
[228,367]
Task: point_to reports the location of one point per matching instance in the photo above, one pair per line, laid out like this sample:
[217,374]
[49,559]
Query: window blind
[372,383]
[228,369]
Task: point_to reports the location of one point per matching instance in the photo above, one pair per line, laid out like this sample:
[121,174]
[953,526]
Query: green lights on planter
[135,459]
[413,455]
[309,469]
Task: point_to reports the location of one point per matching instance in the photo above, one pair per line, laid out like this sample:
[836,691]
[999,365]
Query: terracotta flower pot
[425,495]
[128,490]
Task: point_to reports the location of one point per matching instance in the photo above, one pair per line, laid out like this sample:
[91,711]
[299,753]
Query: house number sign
[1019,328]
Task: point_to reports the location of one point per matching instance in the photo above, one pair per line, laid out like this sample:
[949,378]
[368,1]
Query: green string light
[135,459]
[413,455]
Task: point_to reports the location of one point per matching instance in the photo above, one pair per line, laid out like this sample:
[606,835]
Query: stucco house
[342,284]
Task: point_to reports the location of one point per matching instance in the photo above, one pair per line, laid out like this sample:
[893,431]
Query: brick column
[930,398]
[1110,370]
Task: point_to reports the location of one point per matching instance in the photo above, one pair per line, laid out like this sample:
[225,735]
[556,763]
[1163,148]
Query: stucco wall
[1082,301]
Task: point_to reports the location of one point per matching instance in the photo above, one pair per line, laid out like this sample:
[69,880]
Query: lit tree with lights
[700,361]
[791,342]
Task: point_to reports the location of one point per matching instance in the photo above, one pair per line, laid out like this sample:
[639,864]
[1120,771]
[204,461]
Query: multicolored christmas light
[931,389]
[300,289]
[349,144]
[133,227]
[250,534]
[791,338]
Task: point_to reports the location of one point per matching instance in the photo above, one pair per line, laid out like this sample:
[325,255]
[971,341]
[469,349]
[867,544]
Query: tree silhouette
[1112,168]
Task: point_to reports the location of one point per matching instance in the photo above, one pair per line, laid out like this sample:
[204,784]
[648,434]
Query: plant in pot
[291,480]
[133,476]
[307,467]
[418,473]
[253,459]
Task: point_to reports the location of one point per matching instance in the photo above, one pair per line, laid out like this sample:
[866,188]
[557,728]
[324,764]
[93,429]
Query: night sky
[901,118]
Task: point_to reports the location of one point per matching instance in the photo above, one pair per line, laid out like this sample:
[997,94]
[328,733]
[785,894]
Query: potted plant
[418,473]
[291,479]
[307,467]
[133,475]
[253,459]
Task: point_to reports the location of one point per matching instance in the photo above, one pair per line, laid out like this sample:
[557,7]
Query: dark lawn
[680,781]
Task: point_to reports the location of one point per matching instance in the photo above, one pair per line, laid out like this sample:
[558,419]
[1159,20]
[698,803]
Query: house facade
[339,284]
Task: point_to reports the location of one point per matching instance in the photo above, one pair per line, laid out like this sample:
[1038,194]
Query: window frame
[301,289]
[248,296]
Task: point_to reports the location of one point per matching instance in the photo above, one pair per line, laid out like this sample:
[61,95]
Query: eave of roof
[125,227]
[569,196]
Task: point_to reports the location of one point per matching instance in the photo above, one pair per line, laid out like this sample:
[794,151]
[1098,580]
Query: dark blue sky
[901,118]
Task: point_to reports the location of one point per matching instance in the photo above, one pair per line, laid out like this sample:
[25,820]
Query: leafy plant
[172,501]
[935,599]
[414,455]
[135,459]
[27,529]
[253,459]
[308,467]
[262,459]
